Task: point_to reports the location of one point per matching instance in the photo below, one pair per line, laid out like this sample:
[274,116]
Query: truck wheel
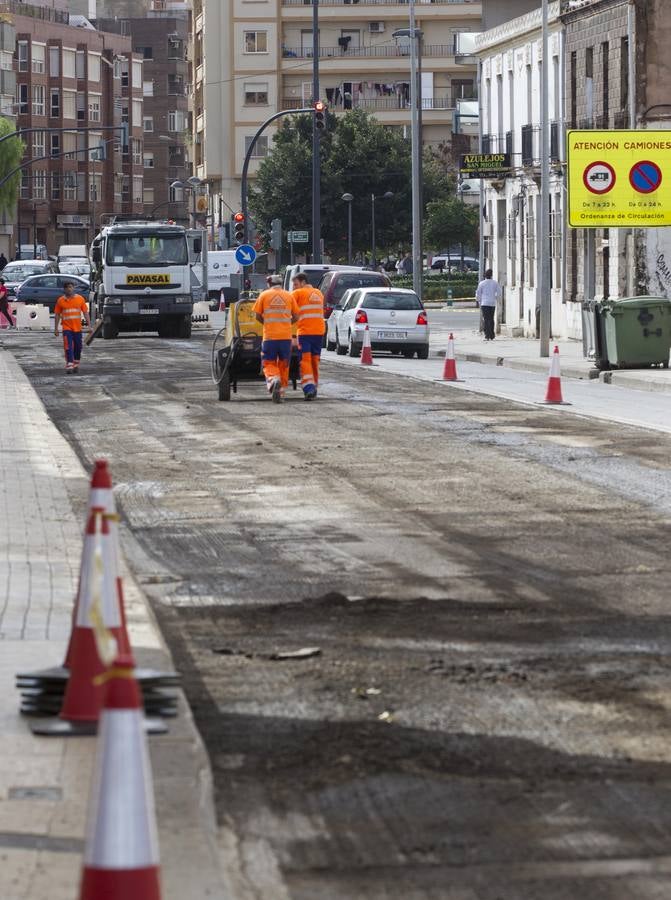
[167,327]
[184,328]
[225,387]
[110,330]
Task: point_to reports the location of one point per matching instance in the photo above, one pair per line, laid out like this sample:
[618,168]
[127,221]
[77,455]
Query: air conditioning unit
[376,27]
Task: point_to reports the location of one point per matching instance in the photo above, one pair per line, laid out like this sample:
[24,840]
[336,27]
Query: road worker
[277,310]
[310,302]
[69,309]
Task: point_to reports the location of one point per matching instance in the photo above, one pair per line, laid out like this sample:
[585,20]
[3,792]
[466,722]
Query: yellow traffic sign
[619,179]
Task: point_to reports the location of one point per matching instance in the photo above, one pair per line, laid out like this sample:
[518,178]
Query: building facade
[252,59]
[162,40]
[511,59]
[76,87]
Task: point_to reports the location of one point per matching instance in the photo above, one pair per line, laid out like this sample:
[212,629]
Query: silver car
[395,318]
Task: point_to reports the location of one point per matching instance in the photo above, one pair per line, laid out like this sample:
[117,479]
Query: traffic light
[320,115]
[276,234]
[239,228]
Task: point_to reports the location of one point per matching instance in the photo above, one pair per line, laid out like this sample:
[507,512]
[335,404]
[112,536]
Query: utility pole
[543,246]
[316,162]
[416,142]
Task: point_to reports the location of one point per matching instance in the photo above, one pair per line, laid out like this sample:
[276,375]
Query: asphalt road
[487,716]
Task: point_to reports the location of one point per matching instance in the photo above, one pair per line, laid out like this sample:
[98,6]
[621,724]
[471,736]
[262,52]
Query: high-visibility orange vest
[277,307]
[70,310]
[310,301]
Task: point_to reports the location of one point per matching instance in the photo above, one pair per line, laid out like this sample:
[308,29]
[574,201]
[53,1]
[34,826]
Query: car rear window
[16,272]
[314,277]
[345,282]
[391,300]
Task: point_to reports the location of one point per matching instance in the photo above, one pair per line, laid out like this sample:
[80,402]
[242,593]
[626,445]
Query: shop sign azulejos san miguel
[484,165]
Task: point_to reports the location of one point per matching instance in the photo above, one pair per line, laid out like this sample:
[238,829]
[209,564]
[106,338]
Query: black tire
[110,330]
[423,352]
[352,349]
[164,328]
[184,328]
[408,354]
[225,387]
[330,345]
[340,350]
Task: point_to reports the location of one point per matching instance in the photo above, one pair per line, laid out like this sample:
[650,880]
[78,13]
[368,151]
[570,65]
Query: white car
[396,320]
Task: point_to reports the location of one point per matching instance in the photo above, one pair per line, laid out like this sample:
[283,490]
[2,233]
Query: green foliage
[11,154]
[435,287]
[358,156]
[450,222]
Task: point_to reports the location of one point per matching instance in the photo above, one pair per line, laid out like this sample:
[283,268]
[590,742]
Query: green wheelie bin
[635,332]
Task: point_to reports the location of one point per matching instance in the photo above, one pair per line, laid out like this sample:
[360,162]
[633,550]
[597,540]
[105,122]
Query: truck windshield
[147,250]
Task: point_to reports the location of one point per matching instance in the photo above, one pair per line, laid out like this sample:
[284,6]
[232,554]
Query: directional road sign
[298,237]
[616,179]
[245,254]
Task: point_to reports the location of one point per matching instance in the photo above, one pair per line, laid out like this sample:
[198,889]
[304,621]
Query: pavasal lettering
[145,279]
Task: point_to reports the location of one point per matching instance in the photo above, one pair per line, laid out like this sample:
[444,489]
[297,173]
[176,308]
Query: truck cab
[142,279]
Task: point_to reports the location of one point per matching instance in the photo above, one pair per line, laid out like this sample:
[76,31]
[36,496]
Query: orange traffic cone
[102,497]
[450,368]
[98,616]
[222,301]
[121,856]
[554,394]
[366,351]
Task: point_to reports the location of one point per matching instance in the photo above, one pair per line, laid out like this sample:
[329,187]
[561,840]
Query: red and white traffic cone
[450,367]
[554,394]
[98,618]
[121,855]
[222,301]
[366,350]
[101,496]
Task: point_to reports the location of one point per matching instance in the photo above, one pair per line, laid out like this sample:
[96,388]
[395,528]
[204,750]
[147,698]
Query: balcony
[379,51]
[376,104]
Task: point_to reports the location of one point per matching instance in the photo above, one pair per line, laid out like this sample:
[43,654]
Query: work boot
[76,370]
[276,390]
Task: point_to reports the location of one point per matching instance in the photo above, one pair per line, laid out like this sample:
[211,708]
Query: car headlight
[112,301]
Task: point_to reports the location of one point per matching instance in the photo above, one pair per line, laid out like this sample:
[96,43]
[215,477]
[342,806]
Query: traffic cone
[366,351]
[222,301]
[554,394]
[98,618]
[101,496]
[121,856]
[450,368]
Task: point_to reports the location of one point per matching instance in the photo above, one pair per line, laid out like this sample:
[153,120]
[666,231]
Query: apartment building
[83,81]
[162,40]
[511,59]
[252,58]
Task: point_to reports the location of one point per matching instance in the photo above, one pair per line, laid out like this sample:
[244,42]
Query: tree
[11,154]
[359,156]
[450,221]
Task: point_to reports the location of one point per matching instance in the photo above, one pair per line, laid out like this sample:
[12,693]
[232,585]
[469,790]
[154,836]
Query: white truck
[142,279]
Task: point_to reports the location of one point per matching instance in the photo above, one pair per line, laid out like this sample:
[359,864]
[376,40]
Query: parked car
[46,289]
[395,317]
[453,264]
[334,284]
[73,267]
[16,272]
[314,272]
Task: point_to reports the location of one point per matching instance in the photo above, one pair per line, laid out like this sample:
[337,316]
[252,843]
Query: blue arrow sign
[245,254]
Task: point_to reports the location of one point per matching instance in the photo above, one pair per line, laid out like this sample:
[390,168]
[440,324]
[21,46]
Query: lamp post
[191,184]
[387,196]
[348,198]
[544,279]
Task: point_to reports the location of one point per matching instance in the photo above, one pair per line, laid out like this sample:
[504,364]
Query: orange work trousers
[311,348]
[276,357]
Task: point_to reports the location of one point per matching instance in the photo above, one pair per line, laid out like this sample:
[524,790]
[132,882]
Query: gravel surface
[486,717]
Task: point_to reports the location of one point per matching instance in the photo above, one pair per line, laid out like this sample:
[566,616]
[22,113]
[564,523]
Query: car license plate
[148,312]
[387,335]
[131,306]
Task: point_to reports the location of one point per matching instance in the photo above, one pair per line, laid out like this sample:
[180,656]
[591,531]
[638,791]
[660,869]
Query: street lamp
[348,200]
[387,196]
[191,184]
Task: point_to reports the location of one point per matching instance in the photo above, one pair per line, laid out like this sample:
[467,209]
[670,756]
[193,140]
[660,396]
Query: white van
[221,264]
[27,251]
[72,252]
[314,272]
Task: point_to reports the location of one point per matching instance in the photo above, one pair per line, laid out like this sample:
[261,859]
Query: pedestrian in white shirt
[488,294]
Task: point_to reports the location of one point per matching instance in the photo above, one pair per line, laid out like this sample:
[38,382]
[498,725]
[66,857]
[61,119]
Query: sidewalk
[44,782]
[523,353]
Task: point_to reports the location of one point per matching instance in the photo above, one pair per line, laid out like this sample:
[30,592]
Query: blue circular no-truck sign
[245,254]
[645,177]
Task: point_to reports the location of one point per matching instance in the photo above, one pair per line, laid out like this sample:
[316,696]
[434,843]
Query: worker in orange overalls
[277,310]
[310,301]
[69,309]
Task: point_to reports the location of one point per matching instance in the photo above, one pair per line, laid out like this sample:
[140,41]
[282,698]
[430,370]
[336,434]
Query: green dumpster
[636,332]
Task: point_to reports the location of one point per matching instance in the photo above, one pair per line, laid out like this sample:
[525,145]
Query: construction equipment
[239,359]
